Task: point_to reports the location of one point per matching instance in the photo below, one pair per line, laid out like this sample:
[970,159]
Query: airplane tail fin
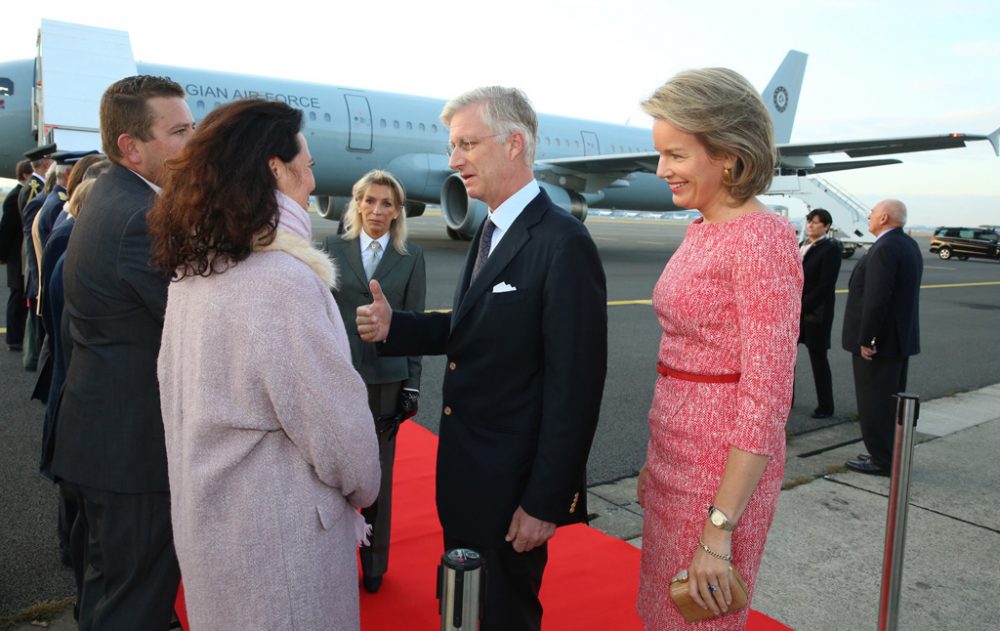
[782,94]
[994,139]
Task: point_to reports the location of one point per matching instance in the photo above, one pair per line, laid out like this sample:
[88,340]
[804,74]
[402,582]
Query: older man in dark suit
[882,330]
[527,356]
[109,446]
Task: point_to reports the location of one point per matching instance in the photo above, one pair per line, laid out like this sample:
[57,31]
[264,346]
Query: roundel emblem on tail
[780,98]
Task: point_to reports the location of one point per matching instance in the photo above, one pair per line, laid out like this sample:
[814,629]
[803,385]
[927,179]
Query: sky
[876,69]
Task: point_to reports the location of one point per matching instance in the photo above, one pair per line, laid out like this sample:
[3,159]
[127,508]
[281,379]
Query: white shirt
[156,189]
[366,247]
[507,212]
[886,231]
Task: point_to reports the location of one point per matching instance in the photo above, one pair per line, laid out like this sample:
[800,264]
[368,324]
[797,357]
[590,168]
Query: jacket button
[447,410]
[452,365]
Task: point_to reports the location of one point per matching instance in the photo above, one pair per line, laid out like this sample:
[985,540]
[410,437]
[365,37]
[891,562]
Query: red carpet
[590,581]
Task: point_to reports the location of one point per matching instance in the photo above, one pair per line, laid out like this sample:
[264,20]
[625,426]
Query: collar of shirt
[156,189]
[39,176]
[366,246]
[885,232]
[506,213]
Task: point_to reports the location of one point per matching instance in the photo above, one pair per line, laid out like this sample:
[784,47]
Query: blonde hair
[352,216]
[79,197]
[723,110]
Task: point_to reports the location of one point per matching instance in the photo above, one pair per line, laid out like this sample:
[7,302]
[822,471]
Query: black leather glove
[407,405]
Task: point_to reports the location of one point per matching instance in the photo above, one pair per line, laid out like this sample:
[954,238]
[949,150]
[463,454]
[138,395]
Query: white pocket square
[501,288]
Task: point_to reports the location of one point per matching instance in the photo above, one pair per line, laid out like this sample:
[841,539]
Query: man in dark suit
[527,355]
[11,237]
[30,201]
[820,267]
[375,247]
[109,444]
[881,330]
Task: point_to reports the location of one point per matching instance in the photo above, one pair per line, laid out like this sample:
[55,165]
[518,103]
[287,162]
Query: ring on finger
[713,588]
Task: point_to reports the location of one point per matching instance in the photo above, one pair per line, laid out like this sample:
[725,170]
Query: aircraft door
[359,122]
[591,147]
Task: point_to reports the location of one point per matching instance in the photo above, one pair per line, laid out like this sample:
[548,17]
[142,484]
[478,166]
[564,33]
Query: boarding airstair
[74,66]
[850,215]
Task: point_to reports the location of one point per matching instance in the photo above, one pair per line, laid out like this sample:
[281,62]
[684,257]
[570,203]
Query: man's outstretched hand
[373,320]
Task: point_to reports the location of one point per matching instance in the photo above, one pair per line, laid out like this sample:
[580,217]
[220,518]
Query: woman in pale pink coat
[269,442]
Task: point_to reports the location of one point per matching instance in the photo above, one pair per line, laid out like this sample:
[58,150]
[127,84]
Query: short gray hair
[724,111]
[504,111]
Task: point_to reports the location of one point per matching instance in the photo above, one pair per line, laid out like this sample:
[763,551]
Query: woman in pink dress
[728,302]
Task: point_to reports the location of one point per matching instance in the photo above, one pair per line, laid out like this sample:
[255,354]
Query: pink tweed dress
[728,302]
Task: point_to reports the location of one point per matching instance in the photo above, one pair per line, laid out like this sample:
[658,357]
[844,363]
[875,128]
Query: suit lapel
[513,240]
[352,254]
[390,258]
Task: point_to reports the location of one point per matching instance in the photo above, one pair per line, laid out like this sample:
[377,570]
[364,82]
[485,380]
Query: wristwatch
[720,520]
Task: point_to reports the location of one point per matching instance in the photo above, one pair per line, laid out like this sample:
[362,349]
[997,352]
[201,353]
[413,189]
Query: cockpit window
[6,87]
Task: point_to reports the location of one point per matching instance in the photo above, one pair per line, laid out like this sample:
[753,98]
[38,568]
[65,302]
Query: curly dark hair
[219,197]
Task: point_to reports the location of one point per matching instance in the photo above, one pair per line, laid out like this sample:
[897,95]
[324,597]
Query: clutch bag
[691,610]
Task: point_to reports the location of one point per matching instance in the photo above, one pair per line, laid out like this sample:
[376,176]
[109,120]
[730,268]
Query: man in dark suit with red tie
[527,355]
[882,330]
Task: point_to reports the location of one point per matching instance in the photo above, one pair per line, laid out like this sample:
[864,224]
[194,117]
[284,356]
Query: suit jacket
[883,298]
[524,380]
[109,433]
[10,238]
[820,268]
[404,284]
[34,186]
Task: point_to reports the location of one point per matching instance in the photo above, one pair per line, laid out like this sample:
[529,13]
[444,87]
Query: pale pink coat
[269,444]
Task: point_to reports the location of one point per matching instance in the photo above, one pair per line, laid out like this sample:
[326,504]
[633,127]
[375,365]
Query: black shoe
[864,457]
[818,413]
[372,583]
[867,466]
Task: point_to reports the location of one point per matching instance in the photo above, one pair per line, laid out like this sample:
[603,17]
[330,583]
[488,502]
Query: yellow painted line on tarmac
[624,303]
[988,283]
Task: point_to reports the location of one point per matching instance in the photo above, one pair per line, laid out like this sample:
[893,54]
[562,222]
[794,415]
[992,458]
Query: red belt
[667,371]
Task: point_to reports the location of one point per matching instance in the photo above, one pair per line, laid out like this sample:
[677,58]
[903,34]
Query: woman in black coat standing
[820,265]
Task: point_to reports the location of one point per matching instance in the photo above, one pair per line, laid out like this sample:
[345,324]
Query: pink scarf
[292,217]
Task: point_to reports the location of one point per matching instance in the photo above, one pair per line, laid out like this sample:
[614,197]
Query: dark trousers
[875,381]
[513,580]
[131,575]
[73,535]
[823,379]
[17,312]
[383,400]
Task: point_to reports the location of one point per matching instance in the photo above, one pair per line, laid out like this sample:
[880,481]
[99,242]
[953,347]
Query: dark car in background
[963,243]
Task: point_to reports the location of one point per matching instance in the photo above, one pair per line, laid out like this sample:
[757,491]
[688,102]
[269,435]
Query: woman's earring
[727,177]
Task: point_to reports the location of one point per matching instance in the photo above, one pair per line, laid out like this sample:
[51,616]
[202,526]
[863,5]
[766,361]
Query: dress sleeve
[767,288]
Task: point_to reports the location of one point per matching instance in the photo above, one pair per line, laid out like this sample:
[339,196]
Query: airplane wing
[601,169]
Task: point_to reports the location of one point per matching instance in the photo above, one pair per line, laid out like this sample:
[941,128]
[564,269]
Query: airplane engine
[332,207]
[570,201]
[463,215]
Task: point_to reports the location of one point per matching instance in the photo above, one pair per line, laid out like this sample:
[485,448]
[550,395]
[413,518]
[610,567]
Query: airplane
[581,164]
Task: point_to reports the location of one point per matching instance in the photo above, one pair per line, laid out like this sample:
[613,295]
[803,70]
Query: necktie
[373,259]
[484,248]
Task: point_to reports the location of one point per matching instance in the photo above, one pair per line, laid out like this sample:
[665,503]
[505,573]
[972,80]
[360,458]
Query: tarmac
[822,569]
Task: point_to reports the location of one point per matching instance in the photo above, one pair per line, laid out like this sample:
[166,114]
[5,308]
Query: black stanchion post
[907,410]
[460,589]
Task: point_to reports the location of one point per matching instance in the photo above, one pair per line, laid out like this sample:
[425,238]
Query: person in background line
[375,246]
[11,237]
[728,301]
[109,452]
[882,330]
[527,356]
[269,437]
[30,201]
[820,266]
